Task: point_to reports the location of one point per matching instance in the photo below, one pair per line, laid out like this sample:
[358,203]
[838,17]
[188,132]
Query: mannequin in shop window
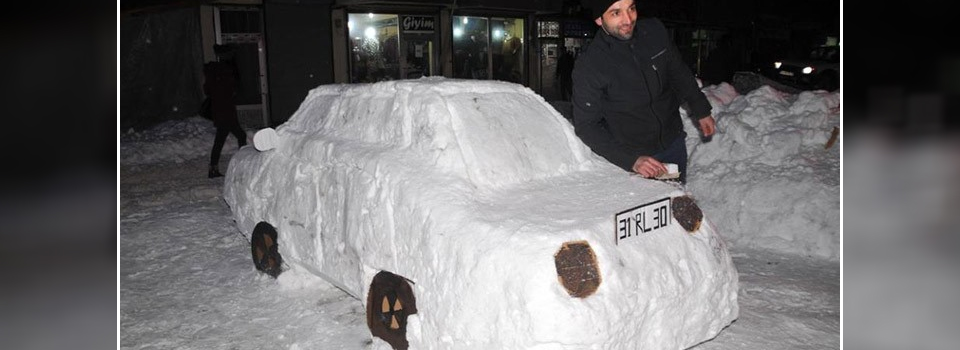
[510,69]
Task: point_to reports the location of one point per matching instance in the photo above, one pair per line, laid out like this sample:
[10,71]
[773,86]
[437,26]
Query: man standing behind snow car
[627,89]
[220,84]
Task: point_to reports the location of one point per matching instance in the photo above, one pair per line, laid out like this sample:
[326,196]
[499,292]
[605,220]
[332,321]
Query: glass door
[418,48]
[418,57]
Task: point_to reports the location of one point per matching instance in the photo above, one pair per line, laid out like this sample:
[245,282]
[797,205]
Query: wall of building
[299,55]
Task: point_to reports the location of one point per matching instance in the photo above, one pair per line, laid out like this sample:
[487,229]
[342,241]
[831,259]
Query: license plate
[642,219]
[787,73]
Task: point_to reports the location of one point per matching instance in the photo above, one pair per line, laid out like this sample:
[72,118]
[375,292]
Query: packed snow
[469,189]
[187,280]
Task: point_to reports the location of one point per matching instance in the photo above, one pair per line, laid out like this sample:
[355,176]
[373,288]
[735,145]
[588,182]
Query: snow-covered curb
[174,141]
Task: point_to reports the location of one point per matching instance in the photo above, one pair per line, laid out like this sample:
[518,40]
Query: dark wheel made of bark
[687,213]
[577,269]
[389,303]
[265,250]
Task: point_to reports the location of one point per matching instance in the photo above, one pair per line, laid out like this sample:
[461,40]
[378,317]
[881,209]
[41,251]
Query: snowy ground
[187,282]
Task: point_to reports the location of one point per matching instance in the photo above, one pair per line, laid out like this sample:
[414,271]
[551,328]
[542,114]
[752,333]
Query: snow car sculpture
[468,215]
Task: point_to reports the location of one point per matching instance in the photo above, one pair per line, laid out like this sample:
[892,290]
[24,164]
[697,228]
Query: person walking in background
[220,83]
[627,89]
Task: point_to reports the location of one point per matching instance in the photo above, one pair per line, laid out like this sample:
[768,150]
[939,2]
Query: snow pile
[765,178]
[172,141]
[469,189]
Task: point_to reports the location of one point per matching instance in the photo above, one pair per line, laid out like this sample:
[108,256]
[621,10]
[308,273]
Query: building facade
[287,48]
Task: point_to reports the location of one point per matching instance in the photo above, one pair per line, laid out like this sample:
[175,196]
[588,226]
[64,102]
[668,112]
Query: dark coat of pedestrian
[221,84]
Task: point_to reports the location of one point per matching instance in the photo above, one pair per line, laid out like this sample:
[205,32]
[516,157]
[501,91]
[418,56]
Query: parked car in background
[819,70]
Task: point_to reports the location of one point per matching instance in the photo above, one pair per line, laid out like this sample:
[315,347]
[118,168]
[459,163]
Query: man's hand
[649,167]
[707,126]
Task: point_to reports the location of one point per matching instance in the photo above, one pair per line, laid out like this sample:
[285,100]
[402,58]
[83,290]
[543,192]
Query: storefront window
[470,47]
[488,48]
[506,41]
[374,47]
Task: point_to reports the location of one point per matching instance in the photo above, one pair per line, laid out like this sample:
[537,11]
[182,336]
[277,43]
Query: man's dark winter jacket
[627,94]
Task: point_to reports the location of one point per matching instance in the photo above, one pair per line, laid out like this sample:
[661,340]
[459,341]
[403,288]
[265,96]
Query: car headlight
[687,213]
[577,268]
[807,70]
[777,65]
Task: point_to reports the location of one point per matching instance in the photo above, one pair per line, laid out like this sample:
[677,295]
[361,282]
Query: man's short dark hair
[597,7]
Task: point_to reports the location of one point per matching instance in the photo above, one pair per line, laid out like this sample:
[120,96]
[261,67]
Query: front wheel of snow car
[265,250]
[389,303]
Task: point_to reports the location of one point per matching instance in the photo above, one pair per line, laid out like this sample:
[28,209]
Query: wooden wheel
[577,269]
[264,249]
[389,303]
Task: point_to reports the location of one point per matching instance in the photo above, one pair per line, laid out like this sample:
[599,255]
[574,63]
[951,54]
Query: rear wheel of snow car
[389,303]
[264,249]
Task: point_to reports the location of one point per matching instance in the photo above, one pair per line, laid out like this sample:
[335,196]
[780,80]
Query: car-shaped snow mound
[468,215]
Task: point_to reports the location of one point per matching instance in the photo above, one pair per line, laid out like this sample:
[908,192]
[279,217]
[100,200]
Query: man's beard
[616,33]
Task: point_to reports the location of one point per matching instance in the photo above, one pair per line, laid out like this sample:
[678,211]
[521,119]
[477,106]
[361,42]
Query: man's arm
[588,120]
[685,84]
